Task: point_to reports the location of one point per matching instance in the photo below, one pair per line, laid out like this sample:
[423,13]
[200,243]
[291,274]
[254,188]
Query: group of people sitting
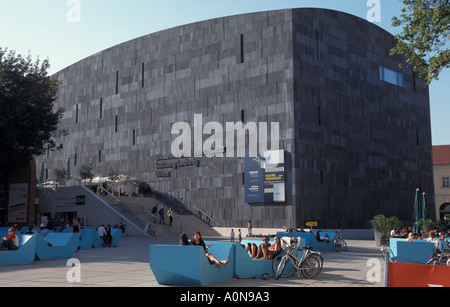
[265,250]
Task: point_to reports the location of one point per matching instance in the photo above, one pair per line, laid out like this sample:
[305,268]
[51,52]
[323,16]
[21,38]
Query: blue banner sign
[265,177]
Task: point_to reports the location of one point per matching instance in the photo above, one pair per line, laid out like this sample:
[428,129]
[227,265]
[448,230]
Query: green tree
[60,175]
[425,38]
[384,225]
[28,121]
[85,172]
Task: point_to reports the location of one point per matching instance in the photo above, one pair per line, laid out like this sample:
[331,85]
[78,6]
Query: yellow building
[441,169]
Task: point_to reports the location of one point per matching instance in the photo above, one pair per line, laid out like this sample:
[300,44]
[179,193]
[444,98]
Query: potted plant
[426,225]
[144,189]
[383,226]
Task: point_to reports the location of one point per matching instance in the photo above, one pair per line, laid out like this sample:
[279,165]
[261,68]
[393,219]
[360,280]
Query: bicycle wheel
[385,250]
[310,267]
[344,246]
[337,245]
[288,269]
[319,259]
[280,267]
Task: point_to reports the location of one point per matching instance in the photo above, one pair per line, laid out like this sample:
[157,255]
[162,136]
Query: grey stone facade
[356,146]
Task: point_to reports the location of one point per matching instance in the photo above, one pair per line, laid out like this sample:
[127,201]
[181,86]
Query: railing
[125,212]
[171,202]
[207,218]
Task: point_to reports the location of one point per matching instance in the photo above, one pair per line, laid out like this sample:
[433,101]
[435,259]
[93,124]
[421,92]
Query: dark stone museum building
[353,126]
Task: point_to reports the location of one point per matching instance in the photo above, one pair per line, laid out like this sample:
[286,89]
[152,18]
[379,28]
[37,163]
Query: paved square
[128,266]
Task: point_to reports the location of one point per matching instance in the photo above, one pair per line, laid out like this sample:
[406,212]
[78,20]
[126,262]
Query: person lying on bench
[10,242]
[198,240]
[322,239]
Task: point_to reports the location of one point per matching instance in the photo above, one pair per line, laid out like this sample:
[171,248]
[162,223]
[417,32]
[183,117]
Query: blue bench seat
[310,239]
[64,245]
[24,255]
[418,251]
[189,266]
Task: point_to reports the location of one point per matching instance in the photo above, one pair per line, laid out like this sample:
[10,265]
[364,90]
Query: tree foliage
[425,39]
[384,225]
[85,172]
[28,121]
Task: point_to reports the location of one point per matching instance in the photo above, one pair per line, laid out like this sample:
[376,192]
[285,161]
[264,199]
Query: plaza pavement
[128,266]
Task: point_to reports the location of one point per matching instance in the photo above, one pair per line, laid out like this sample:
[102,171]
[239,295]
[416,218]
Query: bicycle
[440,257]
[385,251]
[339,242]
[309,265]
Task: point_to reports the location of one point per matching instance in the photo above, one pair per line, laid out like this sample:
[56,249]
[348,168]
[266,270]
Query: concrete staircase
[187,223]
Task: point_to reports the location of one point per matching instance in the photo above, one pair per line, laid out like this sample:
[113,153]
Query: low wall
[349,234]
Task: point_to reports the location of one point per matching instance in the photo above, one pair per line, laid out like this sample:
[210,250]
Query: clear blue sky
[42,28]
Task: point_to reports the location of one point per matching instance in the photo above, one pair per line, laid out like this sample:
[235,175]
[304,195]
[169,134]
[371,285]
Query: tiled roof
[441,154]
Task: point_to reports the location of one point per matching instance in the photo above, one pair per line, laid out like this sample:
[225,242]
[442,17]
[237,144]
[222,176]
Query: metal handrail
[208,218]
[125,212]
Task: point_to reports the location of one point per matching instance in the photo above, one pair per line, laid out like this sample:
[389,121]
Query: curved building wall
[355,145]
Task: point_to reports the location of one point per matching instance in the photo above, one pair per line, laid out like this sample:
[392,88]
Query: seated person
[11,241]
[184,239]
[30,230]
[198,240]
[410,237]
[256,252]
[273,250]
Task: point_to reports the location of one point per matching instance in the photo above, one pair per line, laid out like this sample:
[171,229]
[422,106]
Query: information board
[265,177]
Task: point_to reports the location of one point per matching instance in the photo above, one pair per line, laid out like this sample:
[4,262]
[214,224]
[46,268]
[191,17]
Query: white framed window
[391,76]
[446,182]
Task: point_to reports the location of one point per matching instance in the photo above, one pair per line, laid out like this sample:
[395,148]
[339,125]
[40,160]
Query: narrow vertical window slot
[75,160]
[101,107]
[319,117]
[317,45]
[143,79]
[117,82]
[242,116]
[134,136]
[100,156]
[242,48]
[115,124]
[76,113]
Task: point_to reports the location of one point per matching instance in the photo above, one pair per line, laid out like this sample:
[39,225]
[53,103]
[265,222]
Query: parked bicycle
[385,251]
[440,257]
[339,242]
[309,265]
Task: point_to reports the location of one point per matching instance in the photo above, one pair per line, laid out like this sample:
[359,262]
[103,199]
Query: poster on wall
[18,199]
[265,177]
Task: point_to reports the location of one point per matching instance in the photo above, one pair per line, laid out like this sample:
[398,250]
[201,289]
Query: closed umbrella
[424,207]
[417,211]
